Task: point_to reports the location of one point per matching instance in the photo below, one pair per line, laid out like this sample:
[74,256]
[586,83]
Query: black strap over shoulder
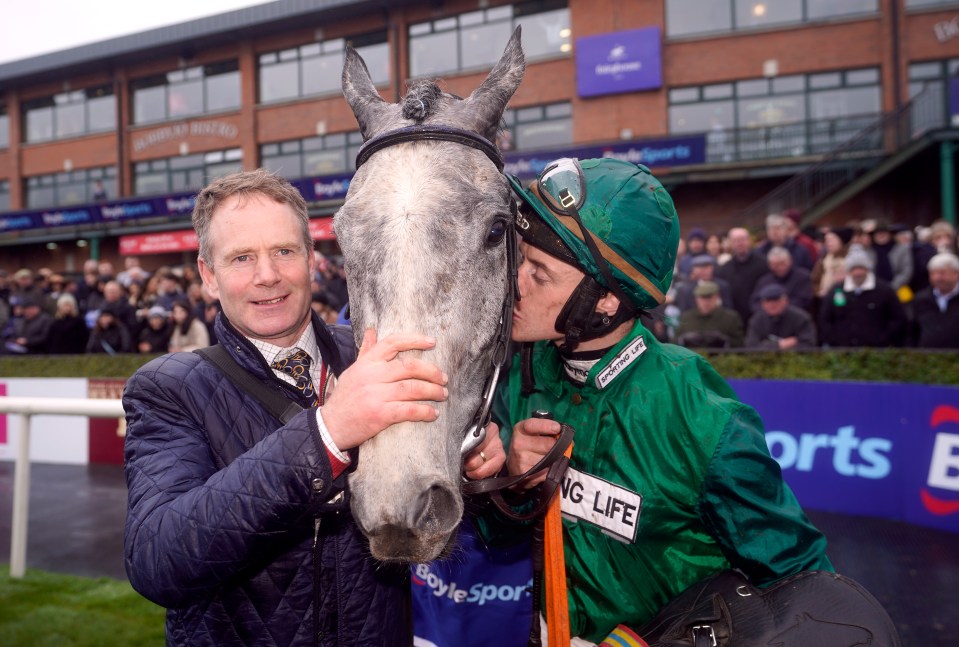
[280,407]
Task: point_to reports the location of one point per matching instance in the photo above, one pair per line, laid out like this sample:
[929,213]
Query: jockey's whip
[557,606]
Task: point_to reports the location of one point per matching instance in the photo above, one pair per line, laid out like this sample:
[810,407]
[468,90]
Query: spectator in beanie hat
[695,246]
[861,310]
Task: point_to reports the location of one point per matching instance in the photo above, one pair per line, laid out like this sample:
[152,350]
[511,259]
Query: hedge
[865,365]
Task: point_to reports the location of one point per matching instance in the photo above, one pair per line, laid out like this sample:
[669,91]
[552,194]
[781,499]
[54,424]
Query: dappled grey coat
[222,504]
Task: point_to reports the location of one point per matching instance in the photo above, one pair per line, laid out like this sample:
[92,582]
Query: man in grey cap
[777,325]
[935,310]
[709,324]
[861,310]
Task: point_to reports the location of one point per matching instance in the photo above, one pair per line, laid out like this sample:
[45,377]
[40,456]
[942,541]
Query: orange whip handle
[557,605]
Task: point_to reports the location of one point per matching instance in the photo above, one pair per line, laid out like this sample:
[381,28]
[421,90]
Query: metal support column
[21,500]
[947,175]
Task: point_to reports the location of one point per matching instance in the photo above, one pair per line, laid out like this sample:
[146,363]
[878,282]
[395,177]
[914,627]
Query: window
[915,4]
[69,114]
[70,188]
[326,155]
[931,79]
[476,39]
[782,116]
[184,173]
[186,93]
[316,68]
[537,127]
[4,128]
[4,195]
[692,17]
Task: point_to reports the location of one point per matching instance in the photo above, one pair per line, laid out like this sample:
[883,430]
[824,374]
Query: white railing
[27,408]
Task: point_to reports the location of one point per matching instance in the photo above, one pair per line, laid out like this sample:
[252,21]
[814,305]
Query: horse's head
[423,231]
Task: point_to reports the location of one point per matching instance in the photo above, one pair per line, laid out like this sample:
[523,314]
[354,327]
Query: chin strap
[579,320]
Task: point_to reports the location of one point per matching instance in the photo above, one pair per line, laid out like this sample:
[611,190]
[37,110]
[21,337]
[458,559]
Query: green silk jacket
[670,481]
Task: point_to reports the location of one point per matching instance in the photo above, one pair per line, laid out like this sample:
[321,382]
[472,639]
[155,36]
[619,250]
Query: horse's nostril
[436,509]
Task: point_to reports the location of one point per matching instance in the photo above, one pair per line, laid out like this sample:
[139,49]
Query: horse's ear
[368,106]
[487,103]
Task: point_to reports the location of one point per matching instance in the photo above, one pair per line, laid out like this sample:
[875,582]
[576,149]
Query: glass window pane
[420,29]
[322,74]
[534,113]
[683,95]
[433,55]
[499,13]
[40,124]
[279,82]
[223,92]
[925,71]
[863,77]
[686,17]
[71,193]
[149,104]
[829,8]
[324,162]
[702,117]
[927,3]
[377,59]
[4,196]
[720,91]
[184,99]
[544,134]
[313,49]
[472,18]
[336,140]
[482,46]
[828,80]
[232,154]
[4,131]
[39,197]
[102,113]
[844,102]
[544,34]
[758,13]
[69,120]
[185,161]
[288,166]
[214,171]
[787,84]
[753,88]
[764,111]
[444,24]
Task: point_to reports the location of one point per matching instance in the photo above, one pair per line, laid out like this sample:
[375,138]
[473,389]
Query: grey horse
[422,232]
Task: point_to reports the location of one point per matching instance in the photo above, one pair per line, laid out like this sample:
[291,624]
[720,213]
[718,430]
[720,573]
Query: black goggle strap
[599,261]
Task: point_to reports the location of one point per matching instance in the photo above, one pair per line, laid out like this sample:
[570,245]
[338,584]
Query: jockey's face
[545,284]
[260,269]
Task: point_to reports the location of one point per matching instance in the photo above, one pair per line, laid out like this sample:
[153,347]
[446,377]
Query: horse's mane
[421,100]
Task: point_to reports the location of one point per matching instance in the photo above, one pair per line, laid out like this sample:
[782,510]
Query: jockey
[670,479]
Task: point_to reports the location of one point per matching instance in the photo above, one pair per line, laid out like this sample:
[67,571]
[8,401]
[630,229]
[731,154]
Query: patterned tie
[297,366]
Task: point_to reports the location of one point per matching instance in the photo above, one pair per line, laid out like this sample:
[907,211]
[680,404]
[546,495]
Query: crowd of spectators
[134,311]
[867,284]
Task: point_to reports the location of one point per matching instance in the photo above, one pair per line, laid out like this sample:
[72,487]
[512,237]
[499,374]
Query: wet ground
[77,513]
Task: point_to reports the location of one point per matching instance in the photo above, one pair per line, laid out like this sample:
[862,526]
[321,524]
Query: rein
[475,431]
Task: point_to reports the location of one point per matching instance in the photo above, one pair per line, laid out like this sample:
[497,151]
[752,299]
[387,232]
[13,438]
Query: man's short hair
[778,253]
[943,261]
[772,292]
[246,184]
[776,220]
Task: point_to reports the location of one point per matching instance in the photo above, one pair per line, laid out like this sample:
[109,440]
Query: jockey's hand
[383,388]
[532,439]
[487,458]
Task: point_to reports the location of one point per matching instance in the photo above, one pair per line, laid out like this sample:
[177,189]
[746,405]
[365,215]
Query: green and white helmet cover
[631,217]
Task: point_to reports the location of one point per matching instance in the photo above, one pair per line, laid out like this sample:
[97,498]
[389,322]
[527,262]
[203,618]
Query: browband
[428,132]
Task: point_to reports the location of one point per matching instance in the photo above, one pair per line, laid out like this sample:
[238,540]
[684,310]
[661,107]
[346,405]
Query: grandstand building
[843,109]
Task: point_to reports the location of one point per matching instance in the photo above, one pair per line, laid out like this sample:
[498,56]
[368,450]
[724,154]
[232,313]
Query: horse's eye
[497,232]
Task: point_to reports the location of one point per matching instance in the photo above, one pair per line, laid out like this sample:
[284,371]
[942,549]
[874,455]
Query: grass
[47,609]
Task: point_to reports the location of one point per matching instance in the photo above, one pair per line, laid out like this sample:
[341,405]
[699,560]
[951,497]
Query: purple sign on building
[622,61]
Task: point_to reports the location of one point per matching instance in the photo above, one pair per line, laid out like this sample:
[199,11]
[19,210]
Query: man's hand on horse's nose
[380,389]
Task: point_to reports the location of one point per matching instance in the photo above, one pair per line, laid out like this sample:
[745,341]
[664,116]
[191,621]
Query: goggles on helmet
[563,186]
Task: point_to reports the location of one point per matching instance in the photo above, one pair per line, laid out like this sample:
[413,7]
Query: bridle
[475,431]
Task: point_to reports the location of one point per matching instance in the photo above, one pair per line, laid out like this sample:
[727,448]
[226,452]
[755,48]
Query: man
[703,269]
[935,310]
[793,220]
[33,333]
[779,325]
[777,235]
[239,524]
[695,246]
[742,271]
[656,428]
[709,324]
[861,310]
[797,281]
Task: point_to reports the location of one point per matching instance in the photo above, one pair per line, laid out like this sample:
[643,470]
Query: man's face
[739,242]
[780,266]
[259,268]
[858,275]
[701,273]
[777,234]
[775,307]
[545,284]
[944,279]
[707,304]
[695,246]
[112,292]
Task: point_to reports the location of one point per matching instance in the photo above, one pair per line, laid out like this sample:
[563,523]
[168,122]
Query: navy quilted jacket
[235,524]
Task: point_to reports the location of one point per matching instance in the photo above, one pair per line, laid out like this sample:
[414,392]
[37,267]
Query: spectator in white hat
[935,310]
